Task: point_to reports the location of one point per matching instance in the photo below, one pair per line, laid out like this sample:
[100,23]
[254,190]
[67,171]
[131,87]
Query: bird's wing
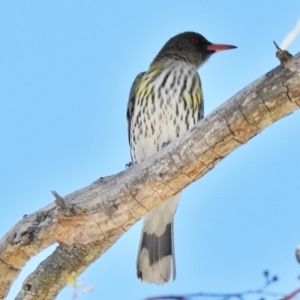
[194,95]
[131,101]
[201,106]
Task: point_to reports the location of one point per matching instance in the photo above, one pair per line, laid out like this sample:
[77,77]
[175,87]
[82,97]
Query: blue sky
[66,71]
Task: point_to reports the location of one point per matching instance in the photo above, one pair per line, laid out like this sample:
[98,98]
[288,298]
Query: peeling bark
[87,222]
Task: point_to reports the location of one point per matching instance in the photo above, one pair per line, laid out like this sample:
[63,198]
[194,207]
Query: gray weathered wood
[87,222]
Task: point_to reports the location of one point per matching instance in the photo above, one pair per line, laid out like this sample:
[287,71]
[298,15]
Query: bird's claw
[129,164]
[166,143]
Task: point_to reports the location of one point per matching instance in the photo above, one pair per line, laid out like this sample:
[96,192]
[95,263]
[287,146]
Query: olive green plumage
[165,102]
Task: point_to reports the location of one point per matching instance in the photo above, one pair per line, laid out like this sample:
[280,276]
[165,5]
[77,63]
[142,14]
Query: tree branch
[87,222]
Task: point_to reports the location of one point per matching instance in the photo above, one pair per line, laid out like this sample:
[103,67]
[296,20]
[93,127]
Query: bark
[87,222]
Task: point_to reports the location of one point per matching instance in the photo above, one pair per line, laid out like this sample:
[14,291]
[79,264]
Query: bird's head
[191,47]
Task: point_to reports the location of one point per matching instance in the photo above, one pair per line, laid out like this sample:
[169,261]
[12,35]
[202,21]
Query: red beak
[220,47]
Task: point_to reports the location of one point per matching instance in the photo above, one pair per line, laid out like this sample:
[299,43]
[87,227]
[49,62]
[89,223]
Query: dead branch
[87,222]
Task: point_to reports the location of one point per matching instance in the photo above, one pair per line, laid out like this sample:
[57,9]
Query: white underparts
[167,102]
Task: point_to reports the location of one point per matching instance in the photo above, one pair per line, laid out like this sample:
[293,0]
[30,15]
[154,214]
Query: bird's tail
[156,256]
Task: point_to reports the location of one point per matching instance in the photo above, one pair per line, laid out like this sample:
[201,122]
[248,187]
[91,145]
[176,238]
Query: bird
[164,102]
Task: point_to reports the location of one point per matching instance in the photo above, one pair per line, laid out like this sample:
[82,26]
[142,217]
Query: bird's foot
[129,164]
[166,143]
[99,179]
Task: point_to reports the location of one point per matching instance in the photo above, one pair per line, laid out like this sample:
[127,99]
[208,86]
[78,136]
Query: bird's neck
[194,59]
[170,63]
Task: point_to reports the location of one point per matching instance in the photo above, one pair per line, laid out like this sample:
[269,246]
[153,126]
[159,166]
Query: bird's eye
[194,40]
